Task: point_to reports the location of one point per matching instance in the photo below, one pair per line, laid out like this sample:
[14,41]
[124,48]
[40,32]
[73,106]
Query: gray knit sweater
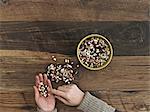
[91,104]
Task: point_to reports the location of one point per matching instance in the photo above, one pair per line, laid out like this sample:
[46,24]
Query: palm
[47,103]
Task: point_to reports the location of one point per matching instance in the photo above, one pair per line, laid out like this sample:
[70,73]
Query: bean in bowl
[94,52]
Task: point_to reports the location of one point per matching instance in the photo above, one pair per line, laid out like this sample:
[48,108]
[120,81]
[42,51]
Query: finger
[63,88]
[58,93]
[62,99]
[37,80]
[67,86]
[45,79]
[36,92]
[49,86]
[41,77]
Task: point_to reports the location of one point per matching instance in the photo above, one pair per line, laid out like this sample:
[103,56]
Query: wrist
[82,97]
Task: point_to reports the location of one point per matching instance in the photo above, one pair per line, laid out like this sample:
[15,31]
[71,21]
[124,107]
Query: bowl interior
[94,49]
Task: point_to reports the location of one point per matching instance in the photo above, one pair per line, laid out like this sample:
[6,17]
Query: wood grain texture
[137,101]
[26,49]
[124,84]
[74,10]
[127,38]
[124,73]
[31,31]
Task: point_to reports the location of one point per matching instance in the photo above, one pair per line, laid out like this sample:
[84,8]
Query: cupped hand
[44,103]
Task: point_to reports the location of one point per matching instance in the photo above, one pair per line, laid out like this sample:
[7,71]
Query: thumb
[36,92]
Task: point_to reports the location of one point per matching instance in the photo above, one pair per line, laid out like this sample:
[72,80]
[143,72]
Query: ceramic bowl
[94,52]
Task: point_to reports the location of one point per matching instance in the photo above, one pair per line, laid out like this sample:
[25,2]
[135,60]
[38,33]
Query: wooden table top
[32,31]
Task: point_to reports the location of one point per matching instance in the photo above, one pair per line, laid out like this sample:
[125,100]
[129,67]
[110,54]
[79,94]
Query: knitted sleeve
[39,110]
[93,104]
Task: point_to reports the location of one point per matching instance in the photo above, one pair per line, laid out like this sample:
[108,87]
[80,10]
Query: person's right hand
[69,94]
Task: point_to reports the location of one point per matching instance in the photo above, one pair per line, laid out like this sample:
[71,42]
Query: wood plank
[74,10]
[126,101]
[26,48]
[63,37]
[124,72]
[137,101]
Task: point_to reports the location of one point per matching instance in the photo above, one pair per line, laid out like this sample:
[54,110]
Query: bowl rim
[100,36]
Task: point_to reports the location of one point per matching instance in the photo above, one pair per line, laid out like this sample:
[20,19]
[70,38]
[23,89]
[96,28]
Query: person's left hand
[69,94]
[44,103]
